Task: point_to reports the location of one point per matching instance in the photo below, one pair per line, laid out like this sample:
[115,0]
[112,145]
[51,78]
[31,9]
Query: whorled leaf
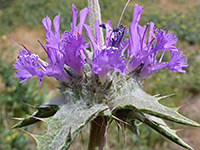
[64,126]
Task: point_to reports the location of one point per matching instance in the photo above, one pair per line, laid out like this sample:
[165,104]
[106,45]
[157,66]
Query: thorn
[41,119]
[187,103]
[177,130]
[20,119]
[26,132]
[156,95]
[28,104]
[114,117]
[123,131]
[162,97]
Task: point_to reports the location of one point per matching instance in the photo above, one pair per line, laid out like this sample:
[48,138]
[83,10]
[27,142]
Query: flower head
[144,47]
[65,49]
[136,55]
[107,57]
[28,64]
[71,43]
[106,60]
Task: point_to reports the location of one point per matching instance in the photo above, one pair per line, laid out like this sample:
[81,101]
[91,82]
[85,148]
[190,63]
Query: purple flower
[177,62]
[140,49]
[65,49]
[29,64]
[145,45]
[104,58]
[108,59]
[71,44]
[133,29]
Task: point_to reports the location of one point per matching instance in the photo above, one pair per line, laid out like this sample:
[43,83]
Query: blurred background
[21,21]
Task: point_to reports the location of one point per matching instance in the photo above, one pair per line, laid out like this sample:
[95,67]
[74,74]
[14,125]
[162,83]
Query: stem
[97,133]
[98,125]
[95,14]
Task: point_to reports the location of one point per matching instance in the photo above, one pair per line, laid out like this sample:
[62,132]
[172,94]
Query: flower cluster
[66,49]
[138,55]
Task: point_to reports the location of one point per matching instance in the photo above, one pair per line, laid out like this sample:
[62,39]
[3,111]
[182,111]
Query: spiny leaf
[157,124]
[132,94]
[42,112]
[160,126]
[64,126]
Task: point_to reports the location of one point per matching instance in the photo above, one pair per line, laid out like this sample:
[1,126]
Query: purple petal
[177,62]
[74,19]
[90,36]
[134,42]
[97,32]
[107,60]
[27,65]
[56,24]
[47,26]
[73,52]
[165,40]
[83,14]
[151,34]
[109,30]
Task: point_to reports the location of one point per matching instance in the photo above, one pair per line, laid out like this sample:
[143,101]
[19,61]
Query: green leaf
[43,111]
[64,126]
[160,126]
[130,114]
[132,94]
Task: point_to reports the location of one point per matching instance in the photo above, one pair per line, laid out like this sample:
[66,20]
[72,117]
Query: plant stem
[95,14]
[98,125]
[97,133]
